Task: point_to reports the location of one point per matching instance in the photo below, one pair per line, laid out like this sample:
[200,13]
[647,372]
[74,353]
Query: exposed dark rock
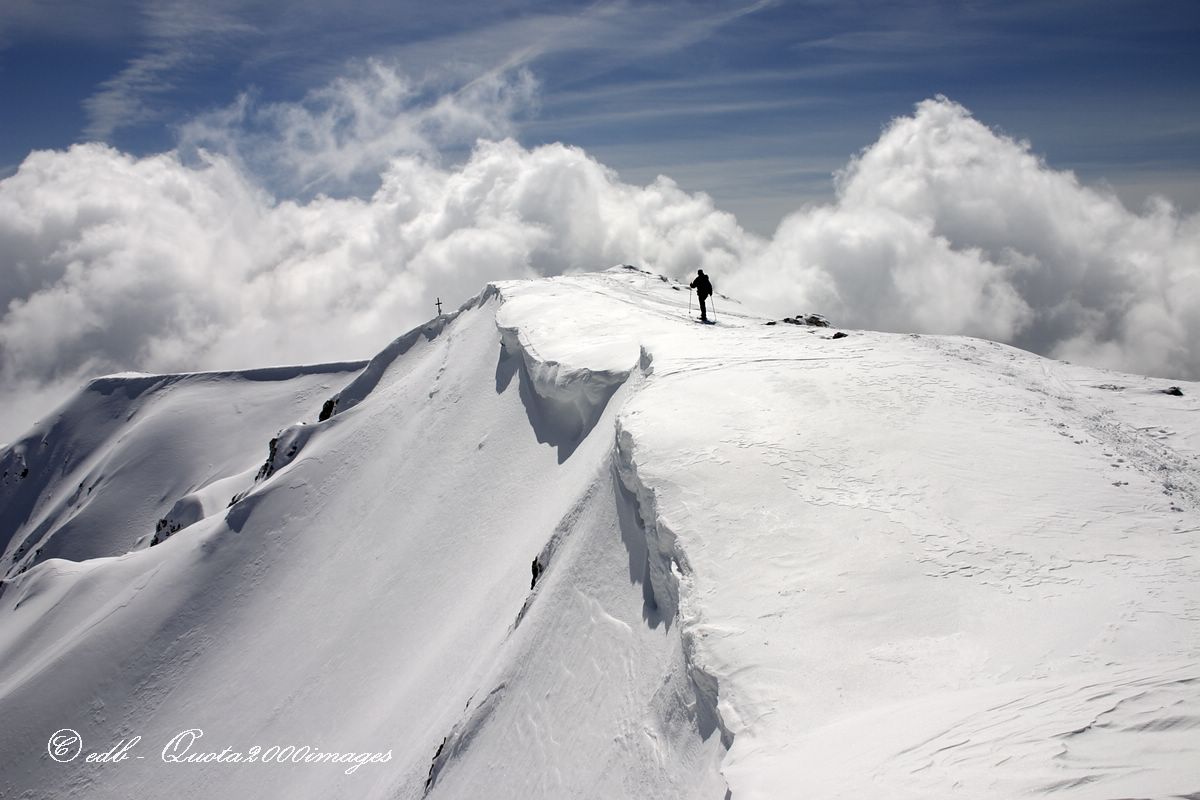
[327,409]
[266,469]
[433,764]
[537,571]
[839,335]
[163,531]
[811,320]
[1175,391]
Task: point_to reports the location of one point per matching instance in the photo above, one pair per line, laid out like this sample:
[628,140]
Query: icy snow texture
[155,438]
[769,564]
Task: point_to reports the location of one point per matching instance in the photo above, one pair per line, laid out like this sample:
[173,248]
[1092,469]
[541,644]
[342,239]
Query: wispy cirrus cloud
[179,37]
[340,138]
[310,44]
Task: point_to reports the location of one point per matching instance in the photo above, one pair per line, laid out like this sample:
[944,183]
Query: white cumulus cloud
[187,261]
[114,262]
[945,226]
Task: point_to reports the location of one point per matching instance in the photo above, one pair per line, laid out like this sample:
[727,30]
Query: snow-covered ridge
[142,430]
[358,389]
[565,542]
[668,577]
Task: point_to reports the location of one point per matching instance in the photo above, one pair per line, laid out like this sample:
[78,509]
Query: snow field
[765,563]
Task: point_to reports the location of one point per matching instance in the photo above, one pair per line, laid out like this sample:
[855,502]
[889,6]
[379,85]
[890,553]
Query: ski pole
[714,302]
[689,303]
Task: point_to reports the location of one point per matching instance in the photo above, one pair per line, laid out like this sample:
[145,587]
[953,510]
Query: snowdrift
[565,542]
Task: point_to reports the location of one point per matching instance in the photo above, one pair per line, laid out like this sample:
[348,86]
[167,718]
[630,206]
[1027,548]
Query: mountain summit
[567,543]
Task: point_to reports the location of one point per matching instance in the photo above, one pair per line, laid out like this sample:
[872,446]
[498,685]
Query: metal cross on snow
[439,306]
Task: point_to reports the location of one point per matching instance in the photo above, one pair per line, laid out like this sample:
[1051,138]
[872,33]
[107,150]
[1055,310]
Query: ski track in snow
[765,563]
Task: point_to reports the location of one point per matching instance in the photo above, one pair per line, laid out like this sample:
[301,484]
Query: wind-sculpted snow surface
[97,475]
[565,542]
[909,575]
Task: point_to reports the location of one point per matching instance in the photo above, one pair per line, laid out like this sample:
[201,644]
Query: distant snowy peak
[155,439]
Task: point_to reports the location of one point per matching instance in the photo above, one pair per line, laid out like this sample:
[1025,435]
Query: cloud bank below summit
[184,262]
[945,226]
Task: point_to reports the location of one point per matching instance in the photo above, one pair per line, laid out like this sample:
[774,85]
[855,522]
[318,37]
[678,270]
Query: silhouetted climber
[703,289]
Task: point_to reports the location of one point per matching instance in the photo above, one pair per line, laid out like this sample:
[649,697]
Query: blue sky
[756,104]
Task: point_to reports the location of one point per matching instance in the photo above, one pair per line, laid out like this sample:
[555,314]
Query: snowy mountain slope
[766,563]
[157,438]
[941,563]
[358,599]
